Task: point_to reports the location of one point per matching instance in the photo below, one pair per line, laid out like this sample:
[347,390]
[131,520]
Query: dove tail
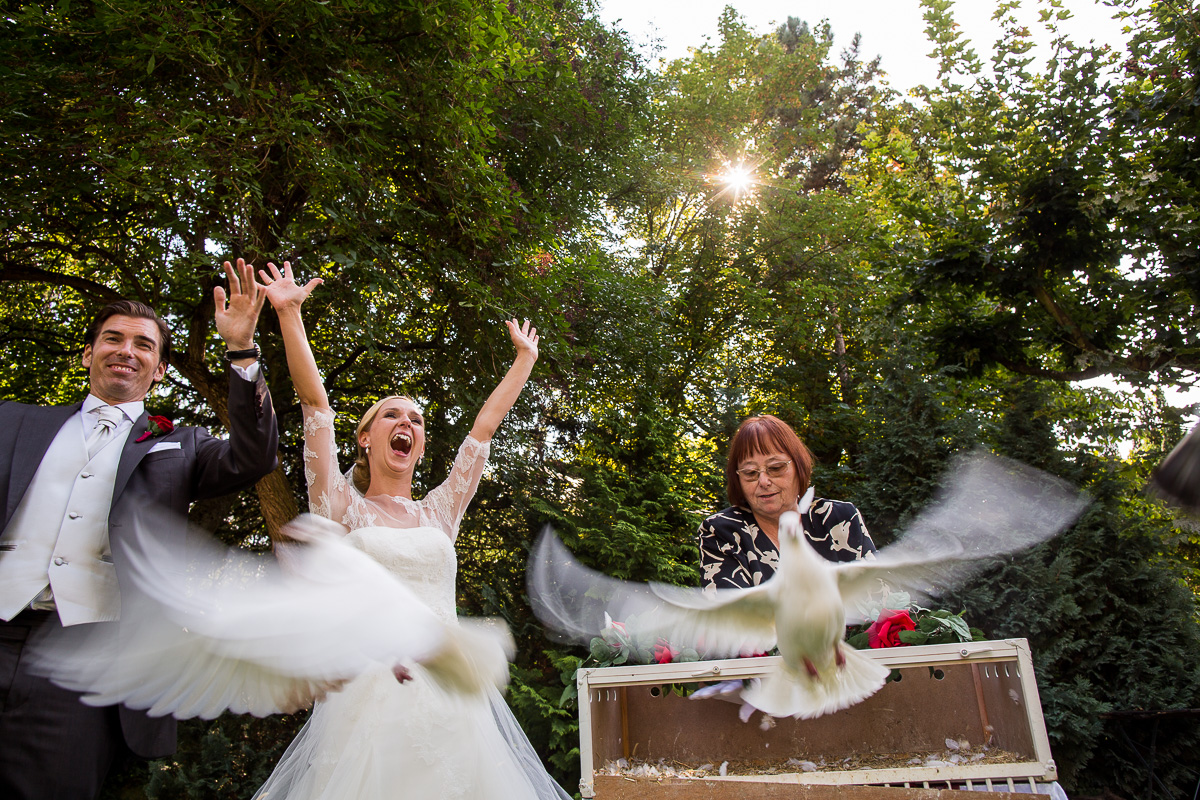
[785,693]
[472,657]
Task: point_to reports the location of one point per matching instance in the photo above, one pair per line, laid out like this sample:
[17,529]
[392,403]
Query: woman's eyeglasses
[776,469]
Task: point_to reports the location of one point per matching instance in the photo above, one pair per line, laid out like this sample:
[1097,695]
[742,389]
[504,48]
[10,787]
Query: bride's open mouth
[401,444]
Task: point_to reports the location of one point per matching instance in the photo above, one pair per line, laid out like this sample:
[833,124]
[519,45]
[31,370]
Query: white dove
[989,507]
[222,629]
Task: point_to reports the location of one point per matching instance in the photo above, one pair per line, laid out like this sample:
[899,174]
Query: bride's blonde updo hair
[360,475]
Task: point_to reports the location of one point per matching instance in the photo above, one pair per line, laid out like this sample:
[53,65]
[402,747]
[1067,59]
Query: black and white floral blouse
[736,554]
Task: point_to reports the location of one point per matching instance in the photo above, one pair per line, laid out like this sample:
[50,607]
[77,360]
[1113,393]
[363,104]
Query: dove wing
[989,507]
[726,622]
[573,600]
[1177,478]
[216,629]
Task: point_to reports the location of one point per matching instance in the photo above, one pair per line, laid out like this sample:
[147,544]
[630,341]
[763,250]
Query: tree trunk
[277,502]
[843,369]
[274,491]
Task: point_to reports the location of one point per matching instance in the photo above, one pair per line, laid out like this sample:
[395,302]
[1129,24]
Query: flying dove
[217,630]
[989,507]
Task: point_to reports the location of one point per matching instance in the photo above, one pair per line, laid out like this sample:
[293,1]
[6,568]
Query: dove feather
[990,507]
[214,630]
[572,600]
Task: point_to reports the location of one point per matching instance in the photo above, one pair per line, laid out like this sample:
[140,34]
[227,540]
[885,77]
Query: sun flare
[738,179]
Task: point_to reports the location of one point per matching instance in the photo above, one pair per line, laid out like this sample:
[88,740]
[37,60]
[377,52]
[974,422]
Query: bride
[379,737]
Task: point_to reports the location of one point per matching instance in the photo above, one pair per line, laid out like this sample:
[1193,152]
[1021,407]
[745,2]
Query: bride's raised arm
[448,501]
[503,396]
[286,297]
[328,493]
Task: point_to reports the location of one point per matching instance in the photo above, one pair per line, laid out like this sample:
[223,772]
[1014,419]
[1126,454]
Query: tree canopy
[761,226]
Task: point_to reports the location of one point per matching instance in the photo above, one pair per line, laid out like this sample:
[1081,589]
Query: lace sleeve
[444,506]
[329,494]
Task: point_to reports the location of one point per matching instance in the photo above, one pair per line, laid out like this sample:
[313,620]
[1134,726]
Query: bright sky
[893,29]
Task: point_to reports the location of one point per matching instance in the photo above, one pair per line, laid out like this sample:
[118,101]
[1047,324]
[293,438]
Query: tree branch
[84,286]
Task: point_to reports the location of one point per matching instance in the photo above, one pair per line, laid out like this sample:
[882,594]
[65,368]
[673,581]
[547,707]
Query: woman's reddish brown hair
[759,435]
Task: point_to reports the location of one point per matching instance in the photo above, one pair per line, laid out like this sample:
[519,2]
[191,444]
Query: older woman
[766,473]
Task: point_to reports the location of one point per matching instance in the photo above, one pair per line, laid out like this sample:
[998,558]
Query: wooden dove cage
[951,717]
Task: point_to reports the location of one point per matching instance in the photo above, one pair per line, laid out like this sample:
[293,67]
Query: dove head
[792,543]
[794,552]
[789,527]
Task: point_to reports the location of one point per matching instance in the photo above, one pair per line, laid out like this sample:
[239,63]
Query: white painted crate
[980,691]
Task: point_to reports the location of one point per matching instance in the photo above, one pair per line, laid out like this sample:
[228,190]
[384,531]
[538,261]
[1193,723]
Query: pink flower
[664,653]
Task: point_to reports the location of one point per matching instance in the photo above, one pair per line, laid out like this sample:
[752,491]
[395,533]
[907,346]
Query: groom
[72,478]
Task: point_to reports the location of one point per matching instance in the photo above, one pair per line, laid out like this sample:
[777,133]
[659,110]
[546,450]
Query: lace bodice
[422,558]
[331,495]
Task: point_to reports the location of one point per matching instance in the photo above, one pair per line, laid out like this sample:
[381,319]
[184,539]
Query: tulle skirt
[378,738]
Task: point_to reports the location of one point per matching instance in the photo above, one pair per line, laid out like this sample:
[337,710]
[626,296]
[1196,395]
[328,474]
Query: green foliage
[900,282]
[1156,111]
[916,417]
[1045,253]
[230,756]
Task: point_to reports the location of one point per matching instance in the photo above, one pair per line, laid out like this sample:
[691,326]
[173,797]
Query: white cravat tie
[108,417]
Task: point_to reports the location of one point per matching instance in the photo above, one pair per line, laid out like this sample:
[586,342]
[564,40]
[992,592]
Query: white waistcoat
[59,533]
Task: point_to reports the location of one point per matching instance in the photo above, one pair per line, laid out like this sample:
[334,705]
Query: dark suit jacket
[202,467]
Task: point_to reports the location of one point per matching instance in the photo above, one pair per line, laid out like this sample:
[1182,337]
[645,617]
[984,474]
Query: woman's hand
[504,395]
[524,337]
[282,290]
[286,297]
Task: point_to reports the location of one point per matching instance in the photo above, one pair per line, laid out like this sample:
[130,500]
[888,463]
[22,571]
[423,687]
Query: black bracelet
[238,355]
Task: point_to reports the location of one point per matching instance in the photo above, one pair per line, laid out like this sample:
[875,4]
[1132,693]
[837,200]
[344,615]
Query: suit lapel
[132,453]
[37,431]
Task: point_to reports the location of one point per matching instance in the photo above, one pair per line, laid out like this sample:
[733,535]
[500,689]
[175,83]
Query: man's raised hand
[237,314]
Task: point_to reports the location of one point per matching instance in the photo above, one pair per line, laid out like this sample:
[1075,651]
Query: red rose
[663,652]
[885,631]
[156,426]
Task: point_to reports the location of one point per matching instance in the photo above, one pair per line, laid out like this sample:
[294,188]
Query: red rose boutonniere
[156,426]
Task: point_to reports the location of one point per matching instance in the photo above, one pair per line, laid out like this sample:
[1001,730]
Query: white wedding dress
[376,737]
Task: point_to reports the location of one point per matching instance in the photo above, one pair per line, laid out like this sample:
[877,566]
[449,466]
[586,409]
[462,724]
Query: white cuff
[249,373]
